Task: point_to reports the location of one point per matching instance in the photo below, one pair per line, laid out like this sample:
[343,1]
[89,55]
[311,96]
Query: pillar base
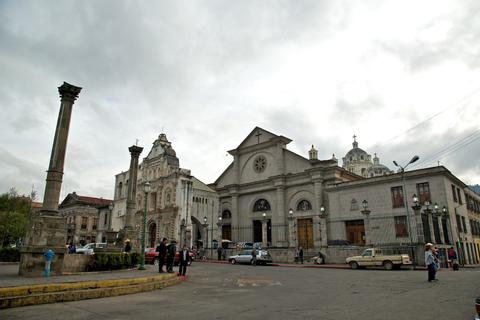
[47,232]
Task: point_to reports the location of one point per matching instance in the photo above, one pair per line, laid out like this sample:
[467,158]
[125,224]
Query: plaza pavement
[221,291]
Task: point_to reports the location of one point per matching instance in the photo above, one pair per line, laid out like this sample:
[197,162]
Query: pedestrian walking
[430,262]
[128,246]
[183,260]
[224,254]
[295,254]
[254,256]
[300,254]
[162,253]
[71,248]
[219,253]
[452,257]
[171,250]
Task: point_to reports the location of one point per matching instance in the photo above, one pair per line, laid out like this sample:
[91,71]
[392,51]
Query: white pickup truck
[374,258]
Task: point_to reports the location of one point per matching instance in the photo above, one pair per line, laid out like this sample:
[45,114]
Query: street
[221,291]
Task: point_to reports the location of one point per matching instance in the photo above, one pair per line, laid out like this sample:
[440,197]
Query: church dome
[356,154]
[377,169]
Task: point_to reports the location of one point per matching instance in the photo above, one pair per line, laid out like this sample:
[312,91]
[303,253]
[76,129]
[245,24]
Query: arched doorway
[198,233]
[152,234]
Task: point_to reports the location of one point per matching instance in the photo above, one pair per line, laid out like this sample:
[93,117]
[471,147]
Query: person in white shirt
[430,262]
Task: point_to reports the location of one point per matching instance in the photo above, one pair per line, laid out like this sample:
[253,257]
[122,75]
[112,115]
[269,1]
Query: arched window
[304,205]
[226,215]
[119,192]
[261,205]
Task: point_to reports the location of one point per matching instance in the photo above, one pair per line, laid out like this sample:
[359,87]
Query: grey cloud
[461,42]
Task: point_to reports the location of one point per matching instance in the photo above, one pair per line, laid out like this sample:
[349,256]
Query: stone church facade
[272,195]
[171,208]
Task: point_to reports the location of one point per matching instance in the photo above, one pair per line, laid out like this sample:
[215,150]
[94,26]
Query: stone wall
[76,262]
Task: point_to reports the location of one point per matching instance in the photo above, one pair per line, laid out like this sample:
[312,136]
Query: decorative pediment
[258,136]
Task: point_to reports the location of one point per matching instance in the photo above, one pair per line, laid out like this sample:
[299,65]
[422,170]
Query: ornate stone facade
[170,211]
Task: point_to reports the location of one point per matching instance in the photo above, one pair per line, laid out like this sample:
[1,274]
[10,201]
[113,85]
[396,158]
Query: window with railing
[459,196]
[397,197]
[454,193]
[84,223]
[423,191]
[459,223]
[401,228]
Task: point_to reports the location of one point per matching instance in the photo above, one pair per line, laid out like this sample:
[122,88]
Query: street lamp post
[291,227]
[205,224]
[402,170]
[366,213]
[146,190]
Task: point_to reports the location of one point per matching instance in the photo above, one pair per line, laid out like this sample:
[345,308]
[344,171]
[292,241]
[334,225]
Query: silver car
[263,257]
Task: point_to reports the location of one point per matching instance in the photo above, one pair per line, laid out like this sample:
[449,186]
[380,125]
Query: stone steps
[12,297]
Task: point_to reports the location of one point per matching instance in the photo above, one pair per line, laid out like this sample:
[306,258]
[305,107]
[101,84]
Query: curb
[12,297]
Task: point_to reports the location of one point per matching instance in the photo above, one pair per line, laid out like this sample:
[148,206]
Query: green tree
[15,213]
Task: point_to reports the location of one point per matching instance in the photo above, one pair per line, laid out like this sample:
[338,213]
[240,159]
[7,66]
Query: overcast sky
[404,76]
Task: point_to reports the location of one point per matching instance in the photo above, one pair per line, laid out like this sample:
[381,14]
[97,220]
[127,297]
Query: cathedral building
[271,195]
[179,207]
[360,162]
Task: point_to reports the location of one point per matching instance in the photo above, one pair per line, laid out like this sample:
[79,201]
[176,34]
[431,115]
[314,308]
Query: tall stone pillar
[48,229]
[132,186]
[129,231]
[68,95]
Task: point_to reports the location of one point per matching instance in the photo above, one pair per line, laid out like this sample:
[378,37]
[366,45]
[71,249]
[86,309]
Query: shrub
[113,261]
[9,254]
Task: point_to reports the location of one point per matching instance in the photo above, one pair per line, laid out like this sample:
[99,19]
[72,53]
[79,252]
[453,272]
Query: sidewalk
[18,291]
[9,276]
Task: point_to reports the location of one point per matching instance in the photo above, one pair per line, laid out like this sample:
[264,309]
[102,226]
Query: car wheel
[155,262]
[232,261]
[388,265]
[354,265]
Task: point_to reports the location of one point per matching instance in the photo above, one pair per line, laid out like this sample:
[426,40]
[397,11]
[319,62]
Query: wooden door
[305,233]
[226,232]
[355,232]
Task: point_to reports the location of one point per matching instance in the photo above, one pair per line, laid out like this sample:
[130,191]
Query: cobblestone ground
[217,291]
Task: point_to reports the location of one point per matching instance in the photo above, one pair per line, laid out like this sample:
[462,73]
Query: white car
[89,248]
[263,257]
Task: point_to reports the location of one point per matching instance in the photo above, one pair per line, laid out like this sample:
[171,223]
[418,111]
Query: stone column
[132,186]
[264,233]
[420,236]
[48,229]
[68,95]
[291,232]
[235,217]
[278,235]
[323,231]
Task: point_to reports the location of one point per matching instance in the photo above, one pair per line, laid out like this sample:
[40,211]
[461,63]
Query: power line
[459,101]
[457,145]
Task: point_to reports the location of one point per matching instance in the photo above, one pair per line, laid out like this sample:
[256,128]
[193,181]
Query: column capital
[69,92]
[135,151]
